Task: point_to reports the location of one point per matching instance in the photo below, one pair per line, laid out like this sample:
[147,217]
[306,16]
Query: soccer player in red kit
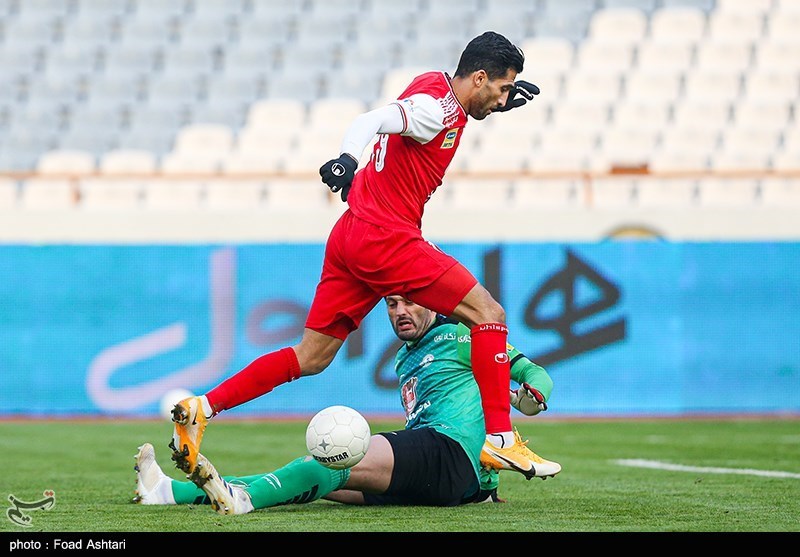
[376,248]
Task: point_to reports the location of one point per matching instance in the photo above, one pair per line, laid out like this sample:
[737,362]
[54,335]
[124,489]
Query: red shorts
[365,262]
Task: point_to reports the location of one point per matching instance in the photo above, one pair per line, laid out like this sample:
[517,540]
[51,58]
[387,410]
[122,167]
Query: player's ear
[479,78]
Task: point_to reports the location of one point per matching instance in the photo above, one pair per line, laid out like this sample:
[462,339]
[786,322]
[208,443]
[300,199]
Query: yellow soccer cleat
[225,498]
[518,458]
[190,424]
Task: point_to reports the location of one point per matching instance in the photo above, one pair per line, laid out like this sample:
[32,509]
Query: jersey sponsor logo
[444,336]
[449,139]
[412,416]
[428,360]
[464,338]
[501,358]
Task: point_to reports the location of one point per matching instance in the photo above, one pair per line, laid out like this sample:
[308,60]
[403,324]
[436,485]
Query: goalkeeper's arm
[535,385]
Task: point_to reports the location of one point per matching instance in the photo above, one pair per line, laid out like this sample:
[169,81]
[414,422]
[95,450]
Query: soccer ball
[170,399]
[338,437]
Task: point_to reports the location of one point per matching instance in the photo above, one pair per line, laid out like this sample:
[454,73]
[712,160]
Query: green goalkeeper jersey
[438,389]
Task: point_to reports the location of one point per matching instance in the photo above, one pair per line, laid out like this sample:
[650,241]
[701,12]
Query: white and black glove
[526,92]
[528,400]
[338,174]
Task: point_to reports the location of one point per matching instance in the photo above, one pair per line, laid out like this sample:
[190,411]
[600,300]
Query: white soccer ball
[338,437]
[170,399]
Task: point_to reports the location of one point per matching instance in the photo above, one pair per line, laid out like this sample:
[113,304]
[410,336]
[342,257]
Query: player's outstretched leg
[225,498]
[519,458]
[190,420]
[153,486]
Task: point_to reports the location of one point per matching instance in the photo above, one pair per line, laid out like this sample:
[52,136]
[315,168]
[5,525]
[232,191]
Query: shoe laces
[521,447]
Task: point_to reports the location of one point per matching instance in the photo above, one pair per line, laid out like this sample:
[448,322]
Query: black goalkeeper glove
[524,89]
[338,174]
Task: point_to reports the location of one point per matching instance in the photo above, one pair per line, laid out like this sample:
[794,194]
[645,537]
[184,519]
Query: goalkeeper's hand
[519,95]
[528,400]
[338,174]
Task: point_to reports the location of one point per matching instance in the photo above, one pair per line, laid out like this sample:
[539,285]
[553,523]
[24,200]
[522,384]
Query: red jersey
[405,169]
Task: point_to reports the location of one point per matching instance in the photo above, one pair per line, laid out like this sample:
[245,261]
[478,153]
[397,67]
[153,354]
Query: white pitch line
[640,463]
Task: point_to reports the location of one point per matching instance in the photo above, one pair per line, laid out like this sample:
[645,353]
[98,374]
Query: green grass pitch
[687,476]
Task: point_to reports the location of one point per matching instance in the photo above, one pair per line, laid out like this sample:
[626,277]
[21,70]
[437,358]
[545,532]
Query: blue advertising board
[625,328]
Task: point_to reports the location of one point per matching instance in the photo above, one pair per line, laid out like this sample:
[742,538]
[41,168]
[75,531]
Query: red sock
[261,376]
[492,371]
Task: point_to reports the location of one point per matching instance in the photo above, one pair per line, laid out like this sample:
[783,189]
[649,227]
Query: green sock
[301,481]
[187,493]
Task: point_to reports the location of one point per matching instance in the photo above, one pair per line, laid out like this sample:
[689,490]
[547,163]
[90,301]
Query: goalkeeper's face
[409,320]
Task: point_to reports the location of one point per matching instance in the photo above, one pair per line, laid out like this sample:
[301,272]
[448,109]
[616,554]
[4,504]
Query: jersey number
[380,151]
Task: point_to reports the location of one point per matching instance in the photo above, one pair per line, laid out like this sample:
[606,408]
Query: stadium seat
[66,162]
[549,53]
[786,160]
[777,55]
[103,194]
[622,25]
[205,139]
[667,193]
[252,162]
[600,54]
[757,139]
[172,195]
[334,112]
[643,114]
[599,86]
[628,146]
[724,55]
[546,193]
[496,159]
[751,7]
[780,192]
[585,113]
[765,115]
[299,195]
[653,86]
[678,160]
[736,25]
[772,85]
[612,193]
[9,193]
[705,113]
[694,137]
[128,162]
[685,24]
[48,194]
[728,192]
[735,159]
[667,56]
[783,23]
[223,195]
[470,194]
[712,85]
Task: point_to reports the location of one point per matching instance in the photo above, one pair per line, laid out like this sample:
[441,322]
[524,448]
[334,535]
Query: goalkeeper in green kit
[436,460]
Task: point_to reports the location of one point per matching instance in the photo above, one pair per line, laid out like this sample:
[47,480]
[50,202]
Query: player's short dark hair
[491,52]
